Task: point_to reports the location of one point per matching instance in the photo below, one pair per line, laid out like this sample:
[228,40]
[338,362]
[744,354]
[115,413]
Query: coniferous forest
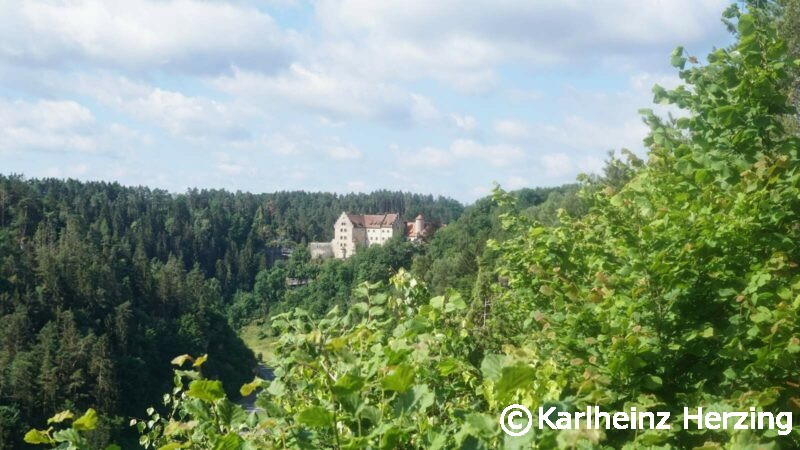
[666,281]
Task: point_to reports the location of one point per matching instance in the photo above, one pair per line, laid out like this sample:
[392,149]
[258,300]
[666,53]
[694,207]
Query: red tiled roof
[372,220]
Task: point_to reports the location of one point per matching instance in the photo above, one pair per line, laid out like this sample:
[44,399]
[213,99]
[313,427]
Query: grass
[254,337]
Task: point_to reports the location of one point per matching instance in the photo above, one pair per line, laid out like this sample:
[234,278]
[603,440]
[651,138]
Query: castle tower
[419,225]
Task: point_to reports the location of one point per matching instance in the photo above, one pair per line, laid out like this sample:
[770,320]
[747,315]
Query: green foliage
[72,438]
[680,287]
[457,254]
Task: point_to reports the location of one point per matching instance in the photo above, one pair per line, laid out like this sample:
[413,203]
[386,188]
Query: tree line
[101,284]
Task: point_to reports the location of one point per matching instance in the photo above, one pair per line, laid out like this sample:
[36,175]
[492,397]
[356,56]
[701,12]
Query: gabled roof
[373,220]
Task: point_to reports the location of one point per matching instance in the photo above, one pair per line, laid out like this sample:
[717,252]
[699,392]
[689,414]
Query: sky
[443,97]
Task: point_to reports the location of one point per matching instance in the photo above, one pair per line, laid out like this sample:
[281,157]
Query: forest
[668,281]
[101,285]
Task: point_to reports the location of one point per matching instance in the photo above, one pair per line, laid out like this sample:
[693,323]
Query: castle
[351,231]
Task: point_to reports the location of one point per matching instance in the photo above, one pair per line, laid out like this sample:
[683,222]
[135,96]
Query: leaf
[199,361]
[492,366]
[173,446]
[87,422]
[417,399]
[315,416]
[192,374]
[676,58]
[181,360]
[196,409]
[248,388]
[60,417]
[70,435]
[378,299]
[746,25]
[230,441]
[391,438]
[276,388]
[401,378]
[513,378]
[726,114]
[38,437]
[653,382]
[230,414]
[702,176]
[481,425]
[348,384]
[206,390]
[449,365]
[455,303]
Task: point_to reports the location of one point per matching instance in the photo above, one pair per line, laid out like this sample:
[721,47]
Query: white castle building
[351,231]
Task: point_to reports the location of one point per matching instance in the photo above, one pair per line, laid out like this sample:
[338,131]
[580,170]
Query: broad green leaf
[206,390]
[677,59]
[70,435]
[315,416]
[482,425]
[200,360]
[746,25]
[181,360]
[348,384]
[230,414]
[492,366]
[513,378]
[173,446]
[248,388]
[400,379]
[60,417]
[230,441]
[38,437]
[455,303]
[87,422]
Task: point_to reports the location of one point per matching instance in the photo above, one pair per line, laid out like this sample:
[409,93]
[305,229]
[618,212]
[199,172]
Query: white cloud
[581,133]
[189,117]
[560,165]
[516,182]
[356,185]
[230,165]
[446,41]
[498,155]
[281,144]
[511,129]
[181,35]
[59,125]
[342,151]
[465,122]
[480,191]
[428,157]
[71,171]
[335,95]
[556,164]
[423,110]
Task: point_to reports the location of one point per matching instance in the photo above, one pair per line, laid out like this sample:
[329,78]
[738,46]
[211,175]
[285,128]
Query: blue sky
[440,97]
